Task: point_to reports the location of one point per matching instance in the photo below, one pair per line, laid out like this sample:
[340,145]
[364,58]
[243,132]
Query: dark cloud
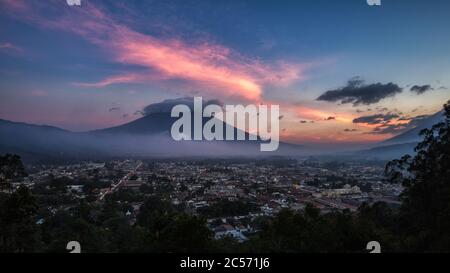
[382,109]
[303,121]
[404,118]
[330,118]
[389,128]
[350,130]
[281,117]
[414,121]
[114,109]
[357,92]
[376,119]
[420,89]
[167,105]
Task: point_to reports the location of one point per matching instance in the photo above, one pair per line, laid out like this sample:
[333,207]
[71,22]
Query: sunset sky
[341,71]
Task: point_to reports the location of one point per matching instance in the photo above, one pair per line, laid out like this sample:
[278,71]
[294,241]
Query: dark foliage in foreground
[422,224]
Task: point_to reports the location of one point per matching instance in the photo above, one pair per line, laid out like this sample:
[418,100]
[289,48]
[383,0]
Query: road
[116,186]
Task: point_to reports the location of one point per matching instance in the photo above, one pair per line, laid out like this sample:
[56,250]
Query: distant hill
[147,125]
[412,135]
[403,143]
[148,136]
[389,152]
[37,142]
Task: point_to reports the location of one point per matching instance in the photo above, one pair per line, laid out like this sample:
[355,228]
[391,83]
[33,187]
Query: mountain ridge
[403,143]
[413,135]
[147,136]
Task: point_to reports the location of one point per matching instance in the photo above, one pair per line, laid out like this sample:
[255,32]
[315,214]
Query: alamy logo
[374,2]
[73,2]
[74,247]
[251,120]
[374,247]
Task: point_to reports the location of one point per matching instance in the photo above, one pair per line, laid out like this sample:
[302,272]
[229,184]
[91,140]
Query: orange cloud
[318,114]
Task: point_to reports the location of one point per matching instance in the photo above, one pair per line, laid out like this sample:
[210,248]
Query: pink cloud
[126,78]
[10,47]
[216,69]
[39,93]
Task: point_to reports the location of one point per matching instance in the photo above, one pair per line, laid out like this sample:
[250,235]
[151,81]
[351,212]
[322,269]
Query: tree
[309,231]
[187,234]
[425,213]
[64,227]
[155,213]
[171,231]
[18,230]
[11,167]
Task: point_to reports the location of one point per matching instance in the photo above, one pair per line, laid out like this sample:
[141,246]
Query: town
[233,195]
